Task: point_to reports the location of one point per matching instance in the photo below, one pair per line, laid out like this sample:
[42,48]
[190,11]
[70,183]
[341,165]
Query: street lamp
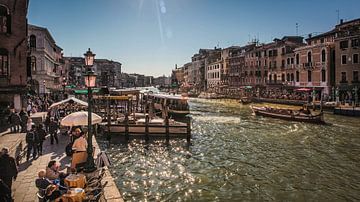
[44,82]
[90,82]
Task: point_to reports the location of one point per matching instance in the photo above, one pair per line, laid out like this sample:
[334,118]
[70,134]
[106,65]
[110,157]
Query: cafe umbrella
[80,119]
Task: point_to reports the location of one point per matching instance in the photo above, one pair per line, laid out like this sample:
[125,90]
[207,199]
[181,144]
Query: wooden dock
[118,133]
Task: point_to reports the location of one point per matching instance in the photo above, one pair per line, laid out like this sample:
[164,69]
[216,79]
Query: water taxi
[176,105]
[290,115]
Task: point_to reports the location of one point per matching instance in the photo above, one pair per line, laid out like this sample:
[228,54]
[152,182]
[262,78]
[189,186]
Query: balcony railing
[308,65]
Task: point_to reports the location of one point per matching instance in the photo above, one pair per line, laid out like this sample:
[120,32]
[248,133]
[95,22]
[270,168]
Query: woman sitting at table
[79,147]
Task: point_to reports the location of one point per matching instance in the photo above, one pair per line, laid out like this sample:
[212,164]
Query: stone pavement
[24,188]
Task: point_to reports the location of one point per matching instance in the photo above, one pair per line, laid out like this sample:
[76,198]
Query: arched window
[4,62]
[309,76]
[275,78]
[287,77]
[323,55]
[33,63]
[283,77]
[292,77]
[32,41]
[270,77]
[309,59]
[5,20]
[297,59]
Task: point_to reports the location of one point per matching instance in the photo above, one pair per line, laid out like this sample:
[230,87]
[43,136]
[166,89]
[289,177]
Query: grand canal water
[235,156]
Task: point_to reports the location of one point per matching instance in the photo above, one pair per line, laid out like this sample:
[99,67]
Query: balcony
[308,65]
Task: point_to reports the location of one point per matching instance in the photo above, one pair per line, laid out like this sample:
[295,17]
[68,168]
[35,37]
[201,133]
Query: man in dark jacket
[24,118]
[53,129]
[32,140]
[5,192]
[8,168]
[41,135]
[15,121]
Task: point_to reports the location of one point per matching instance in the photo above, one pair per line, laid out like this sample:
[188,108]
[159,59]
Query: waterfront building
[186,85]
[46,61]
[213,76]
[177,76]
[275,63]
[13,53]
[162,81]
[108,71]
[232,61]
[347,65]
[314,64]
[74,71]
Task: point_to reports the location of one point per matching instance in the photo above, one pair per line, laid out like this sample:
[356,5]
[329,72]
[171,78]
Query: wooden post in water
[126,127]
[167,129]
[188,135]
[147,128]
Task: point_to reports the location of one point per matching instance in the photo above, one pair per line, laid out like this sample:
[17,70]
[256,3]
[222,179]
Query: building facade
[108,73]
[347,49]
[47,68]
[13,53]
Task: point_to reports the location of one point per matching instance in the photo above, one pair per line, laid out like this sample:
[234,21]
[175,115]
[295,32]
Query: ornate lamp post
[44,86]
[90,81]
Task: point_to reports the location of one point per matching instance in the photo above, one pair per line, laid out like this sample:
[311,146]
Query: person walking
[32,140]
[29,125]
[15,121]
[53,129]
[41,135]
[8,168]
[24,118]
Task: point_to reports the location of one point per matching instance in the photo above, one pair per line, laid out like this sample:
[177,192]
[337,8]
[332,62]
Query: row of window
[354,43]
[355,59]
[355,76]
[212,67]
[213,75]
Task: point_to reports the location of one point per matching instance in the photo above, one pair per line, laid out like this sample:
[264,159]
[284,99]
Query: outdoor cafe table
[74,195]
[76,181]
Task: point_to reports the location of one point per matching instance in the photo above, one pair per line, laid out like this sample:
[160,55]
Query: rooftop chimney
[310,35]
[341,21]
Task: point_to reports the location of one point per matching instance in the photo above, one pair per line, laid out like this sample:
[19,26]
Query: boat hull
[316,119]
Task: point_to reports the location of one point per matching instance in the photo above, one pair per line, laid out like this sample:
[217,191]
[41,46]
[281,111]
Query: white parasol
[80,119]
[71,99]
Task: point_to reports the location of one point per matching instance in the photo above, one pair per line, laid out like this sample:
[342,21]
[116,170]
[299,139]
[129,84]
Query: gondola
[290,115]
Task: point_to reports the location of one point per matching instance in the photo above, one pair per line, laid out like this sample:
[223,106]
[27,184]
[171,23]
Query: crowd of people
[50,180]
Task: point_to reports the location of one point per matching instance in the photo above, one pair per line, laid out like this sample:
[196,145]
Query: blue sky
[151,36]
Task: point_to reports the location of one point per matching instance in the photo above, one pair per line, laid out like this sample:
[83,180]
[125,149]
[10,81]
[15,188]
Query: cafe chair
[96,179]
[96,193]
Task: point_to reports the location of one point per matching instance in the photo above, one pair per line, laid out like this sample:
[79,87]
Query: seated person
[52,171]
[52,193]
[42,182]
